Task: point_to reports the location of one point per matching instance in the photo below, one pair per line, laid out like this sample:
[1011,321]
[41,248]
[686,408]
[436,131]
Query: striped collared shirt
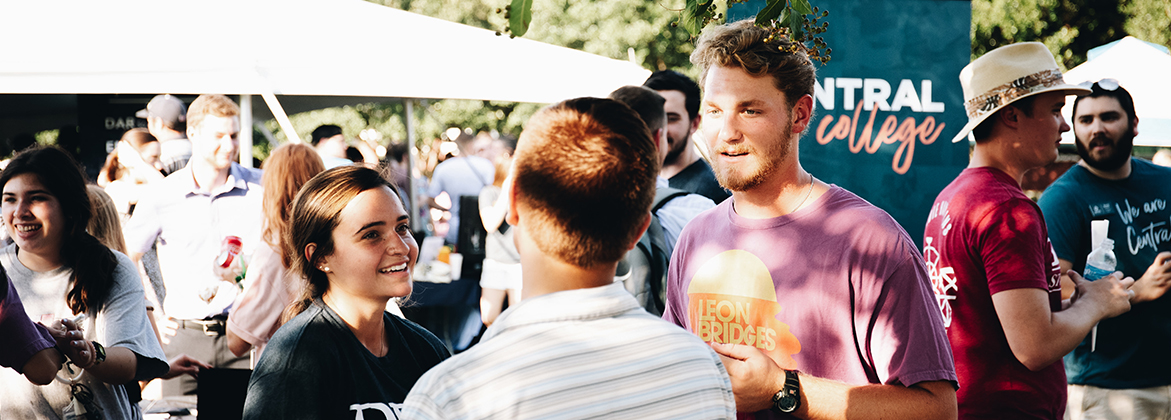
[585,353]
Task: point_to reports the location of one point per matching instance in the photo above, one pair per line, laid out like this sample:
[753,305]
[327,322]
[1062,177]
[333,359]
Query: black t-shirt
[698,178]
[315,368]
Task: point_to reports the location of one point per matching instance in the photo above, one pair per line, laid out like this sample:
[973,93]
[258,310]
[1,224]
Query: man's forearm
[826,399]
[756,378]
[1038,337]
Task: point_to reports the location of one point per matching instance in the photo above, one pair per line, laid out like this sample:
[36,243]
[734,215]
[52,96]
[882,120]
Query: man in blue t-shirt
[465,174]
[1127,362]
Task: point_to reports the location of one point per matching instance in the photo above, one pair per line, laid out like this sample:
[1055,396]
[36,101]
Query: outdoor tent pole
[264,131]
[246,130]
[281,118]
[416,223]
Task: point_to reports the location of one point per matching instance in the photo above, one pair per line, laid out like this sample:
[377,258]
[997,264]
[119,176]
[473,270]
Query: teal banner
[889,101]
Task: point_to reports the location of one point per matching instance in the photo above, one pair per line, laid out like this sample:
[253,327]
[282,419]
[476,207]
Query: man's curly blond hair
[759,52]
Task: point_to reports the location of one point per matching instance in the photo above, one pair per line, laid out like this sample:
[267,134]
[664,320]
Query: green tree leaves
[1070,28]
[771,11]
[695,15]
[1150,20]
[520,17]
[616,29]
[802,7]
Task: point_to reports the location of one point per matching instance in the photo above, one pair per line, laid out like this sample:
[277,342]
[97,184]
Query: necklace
[807,193]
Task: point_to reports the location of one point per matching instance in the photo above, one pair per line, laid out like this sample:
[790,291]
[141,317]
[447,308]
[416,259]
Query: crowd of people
[643,277]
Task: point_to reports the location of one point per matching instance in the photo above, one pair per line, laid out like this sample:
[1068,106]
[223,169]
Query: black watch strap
[99,352]
[788,399]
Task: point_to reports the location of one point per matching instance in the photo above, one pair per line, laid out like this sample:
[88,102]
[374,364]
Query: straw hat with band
[1005,75]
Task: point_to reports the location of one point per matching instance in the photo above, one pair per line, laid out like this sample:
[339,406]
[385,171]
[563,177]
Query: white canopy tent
[292,47]
[1140,67]
[347,48]
[332,49]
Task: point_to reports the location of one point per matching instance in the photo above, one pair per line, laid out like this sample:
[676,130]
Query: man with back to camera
[166,119]
[1126,361]
[330,143]
[190,214]
[465,174]
[672,209]
[578,345]
[682,166]
[676,212]
[995,275]
[817,301]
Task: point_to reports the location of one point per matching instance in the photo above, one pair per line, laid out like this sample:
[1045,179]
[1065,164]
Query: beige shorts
[1093,403]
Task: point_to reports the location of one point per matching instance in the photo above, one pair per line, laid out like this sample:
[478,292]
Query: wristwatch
[788,399]
[99,353]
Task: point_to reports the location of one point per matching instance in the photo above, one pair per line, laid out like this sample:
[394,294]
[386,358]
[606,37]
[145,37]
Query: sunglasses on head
[1106,84]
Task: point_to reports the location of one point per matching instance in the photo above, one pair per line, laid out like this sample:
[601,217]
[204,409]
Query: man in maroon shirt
[995,275]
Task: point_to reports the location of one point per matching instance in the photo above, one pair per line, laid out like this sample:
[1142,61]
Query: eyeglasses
[1106,84]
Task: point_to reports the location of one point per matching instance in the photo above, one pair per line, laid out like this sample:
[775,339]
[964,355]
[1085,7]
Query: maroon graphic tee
[984,236]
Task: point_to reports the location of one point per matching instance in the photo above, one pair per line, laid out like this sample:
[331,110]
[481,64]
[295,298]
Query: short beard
[676,149]
[1121,155]
[770,160]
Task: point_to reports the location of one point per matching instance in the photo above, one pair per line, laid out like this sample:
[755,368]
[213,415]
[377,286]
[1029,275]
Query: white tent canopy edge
[290,47]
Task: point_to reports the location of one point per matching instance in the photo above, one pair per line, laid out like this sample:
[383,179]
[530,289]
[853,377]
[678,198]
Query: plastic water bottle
[1100,263]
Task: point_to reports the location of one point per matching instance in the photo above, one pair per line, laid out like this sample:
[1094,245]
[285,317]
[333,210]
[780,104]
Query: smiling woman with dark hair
[350,238]
[62,271]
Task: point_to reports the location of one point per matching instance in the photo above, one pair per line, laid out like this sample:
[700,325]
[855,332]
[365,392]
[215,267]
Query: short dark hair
[673,80]
[647,103]
[984,130]
[585,169]
[1120,94]
[324,132]
[180,126]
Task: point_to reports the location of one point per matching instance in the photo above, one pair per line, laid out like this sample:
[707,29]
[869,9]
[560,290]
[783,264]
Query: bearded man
[1126,366]
[682,167]
[818,302]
